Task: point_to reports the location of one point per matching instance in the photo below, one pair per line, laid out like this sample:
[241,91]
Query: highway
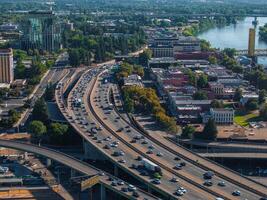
[115,123]
[74,164]
[235,155]
[83,121]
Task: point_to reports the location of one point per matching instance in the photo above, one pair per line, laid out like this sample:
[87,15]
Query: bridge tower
[251,42]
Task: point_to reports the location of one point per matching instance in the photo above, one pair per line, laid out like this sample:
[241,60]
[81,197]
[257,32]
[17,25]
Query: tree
[188,132]
[40,111]
[49,92]
[145,56]
[262,96]
[230,52]
[263,112]
[216,104]
[238,94]
[57,132]
[74,57]
[213,60]
[200,95]
[210,130]
[202,81]
[37,128]
[251,105]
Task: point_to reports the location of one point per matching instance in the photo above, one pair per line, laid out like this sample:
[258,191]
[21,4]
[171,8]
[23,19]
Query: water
[236,36]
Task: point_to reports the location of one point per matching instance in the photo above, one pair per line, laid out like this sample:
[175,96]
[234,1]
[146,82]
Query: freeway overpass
[72,163]
[235,155]
[258,52]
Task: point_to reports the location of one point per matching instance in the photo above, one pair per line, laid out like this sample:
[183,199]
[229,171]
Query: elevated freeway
[83,120]
[196,164]
[73,163]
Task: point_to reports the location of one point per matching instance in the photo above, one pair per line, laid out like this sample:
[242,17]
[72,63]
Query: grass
[243,119]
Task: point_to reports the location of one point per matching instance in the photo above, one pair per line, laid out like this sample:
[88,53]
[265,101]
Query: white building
[220,115]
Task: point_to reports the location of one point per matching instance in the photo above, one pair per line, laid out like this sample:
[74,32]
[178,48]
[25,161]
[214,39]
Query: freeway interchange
[88,110]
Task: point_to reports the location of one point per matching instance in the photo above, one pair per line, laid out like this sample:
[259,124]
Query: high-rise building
[41,31]
[251,42]
[6,66]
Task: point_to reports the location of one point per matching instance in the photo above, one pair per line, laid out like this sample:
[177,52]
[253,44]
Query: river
[236,36]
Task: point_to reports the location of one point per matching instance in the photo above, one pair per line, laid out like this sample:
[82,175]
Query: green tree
[262,96]
[213,60]
[216,104]
[238,94]
[230,52]
[74,57]
[202,81]
[40,111]
[188,132]
[251,105]
[263,112]
[49,92]
[200,95]
[210,130]
[37,129]
[145,56]
[57,132]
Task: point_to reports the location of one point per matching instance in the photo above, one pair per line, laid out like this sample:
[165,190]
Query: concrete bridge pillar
[103,192]
[116,170]
[48,162]
[26,157]
[90,152]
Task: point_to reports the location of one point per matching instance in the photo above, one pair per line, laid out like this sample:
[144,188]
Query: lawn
[243,119]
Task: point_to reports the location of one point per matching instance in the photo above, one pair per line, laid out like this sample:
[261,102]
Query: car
[179,193]
[137,137]
[113,145]
[133,141]
[121,153]
[124,189]
[115,120]
[95,138]
[120,129]
[174,180]
[183,164]
[149,151]
[177,158]
[131,188]
[101,173]
[117,117]
[134,166]
[144,142]
[114,183]
[120,182]
[122,161]
[106,146]
[178,167]
[136,194]
[156,181]
[144,173]
[128,131]
[139,158]
[127,126]
[219,198]
[159,154]
[221,183]
[208,175]
[151,147]
[182,189]
[208,183]
[236,193]
[99,141]
[110,178]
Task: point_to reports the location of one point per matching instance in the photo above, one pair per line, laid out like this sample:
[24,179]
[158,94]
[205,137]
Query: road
[191,170]
[82,120]
[72,163]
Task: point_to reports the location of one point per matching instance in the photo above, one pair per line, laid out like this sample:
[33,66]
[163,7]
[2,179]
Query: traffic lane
[93,92]
[170,158]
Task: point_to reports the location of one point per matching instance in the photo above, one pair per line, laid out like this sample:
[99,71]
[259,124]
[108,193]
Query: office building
[6,66]
[41,31]
[220,115]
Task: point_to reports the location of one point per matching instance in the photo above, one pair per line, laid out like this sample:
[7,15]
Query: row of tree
[145,100]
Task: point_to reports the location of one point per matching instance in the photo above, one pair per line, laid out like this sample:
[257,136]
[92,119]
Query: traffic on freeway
[133,136]
[77,112]
[123,188]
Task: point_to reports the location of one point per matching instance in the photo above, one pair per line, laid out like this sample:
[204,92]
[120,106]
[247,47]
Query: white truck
[150,165]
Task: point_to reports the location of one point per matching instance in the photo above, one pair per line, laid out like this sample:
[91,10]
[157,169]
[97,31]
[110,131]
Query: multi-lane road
[92,113]
[248,188]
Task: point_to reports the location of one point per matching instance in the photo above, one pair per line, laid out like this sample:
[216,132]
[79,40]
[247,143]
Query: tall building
[251,42]
[41,31]
[6,66]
